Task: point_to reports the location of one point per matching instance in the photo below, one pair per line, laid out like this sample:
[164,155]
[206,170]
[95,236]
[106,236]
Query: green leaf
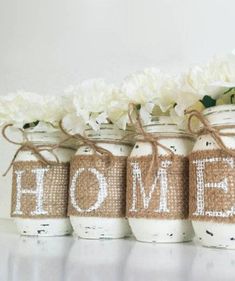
[30,125]
[208,101]
[232,98]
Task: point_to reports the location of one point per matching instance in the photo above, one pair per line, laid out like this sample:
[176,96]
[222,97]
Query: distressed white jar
[153,229]
[103,227]
[214,234]
[44,226]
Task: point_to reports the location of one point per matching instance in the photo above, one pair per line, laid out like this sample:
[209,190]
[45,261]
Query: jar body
[213,224]
[160,230]
[41,225]
[94,225]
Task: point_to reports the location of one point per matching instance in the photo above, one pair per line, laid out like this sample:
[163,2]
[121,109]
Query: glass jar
[212,193]
[97,192]
[40,192]
[150,204]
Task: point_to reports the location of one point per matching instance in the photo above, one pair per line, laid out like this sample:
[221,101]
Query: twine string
[97,150]
[27,145]
[150,138]
[214,131]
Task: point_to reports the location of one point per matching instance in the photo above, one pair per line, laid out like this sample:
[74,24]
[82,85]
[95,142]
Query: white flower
[149,88]
[22,107]
[211,79]
[90,102]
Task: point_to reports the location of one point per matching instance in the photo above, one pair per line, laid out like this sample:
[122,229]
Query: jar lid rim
[219,108]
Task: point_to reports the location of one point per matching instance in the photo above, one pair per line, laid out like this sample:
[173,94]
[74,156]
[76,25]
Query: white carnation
[90,102]
[22,107]
[211,79]
[148,89]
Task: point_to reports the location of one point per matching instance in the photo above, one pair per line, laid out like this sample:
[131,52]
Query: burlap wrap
[177,188]
[87,186]
[213,189]
[55,189]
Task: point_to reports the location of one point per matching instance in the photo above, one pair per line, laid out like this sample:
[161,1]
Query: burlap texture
[55,190]
[87,186]
[215,199]
[177,194]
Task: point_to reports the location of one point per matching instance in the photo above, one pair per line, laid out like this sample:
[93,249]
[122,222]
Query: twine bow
[27,145]
[214,131]
[148,137]
[98,151]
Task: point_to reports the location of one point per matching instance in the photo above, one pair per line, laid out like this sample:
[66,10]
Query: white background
[48,45]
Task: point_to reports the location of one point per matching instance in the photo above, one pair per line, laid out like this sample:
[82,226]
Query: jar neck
[220,115]
[43,137]
[164,129]
[109,132]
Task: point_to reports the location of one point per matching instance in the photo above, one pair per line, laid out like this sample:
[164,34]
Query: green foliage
[30,125]
[208,101]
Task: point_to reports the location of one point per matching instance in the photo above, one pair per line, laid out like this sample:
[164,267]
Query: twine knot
[213,131]
[97,150]
[27,145]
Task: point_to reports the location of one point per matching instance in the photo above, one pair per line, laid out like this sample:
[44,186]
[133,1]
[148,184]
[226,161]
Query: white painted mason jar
[212,226]
[86,223]
[42,225]
[152,229]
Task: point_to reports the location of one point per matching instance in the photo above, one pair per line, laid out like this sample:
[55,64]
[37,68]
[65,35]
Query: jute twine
[176,193]
[98,151]
[214,131]
[154,140]
[177,175]
[55,189]
[215,199]
[27,145]
[55,181]
[88,188]
[113,168]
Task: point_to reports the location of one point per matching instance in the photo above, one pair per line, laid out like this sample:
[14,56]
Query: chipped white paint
[42,226]
[161,176]
[98,227]
[102,189]
[213,234]
[159,230]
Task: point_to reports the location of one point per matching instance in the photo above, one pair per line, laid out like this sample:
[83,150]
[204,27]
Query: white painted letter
[37,192]
[102,189]
[162,175]
[201,185]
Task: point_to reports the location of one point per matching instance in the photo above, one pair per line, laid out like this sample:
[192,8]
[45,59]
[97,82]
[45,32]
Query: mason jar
[157,208]
[40,191]
[212,193]
[98,186]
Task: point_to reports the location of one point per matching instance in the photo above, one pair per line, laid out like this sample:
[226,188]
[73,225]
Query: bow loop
[27,145]
[213,131]
[98,150]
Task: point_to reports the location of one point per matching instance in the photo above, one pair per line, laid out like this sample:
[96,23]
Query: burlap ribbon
[27,145]
[214,131]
